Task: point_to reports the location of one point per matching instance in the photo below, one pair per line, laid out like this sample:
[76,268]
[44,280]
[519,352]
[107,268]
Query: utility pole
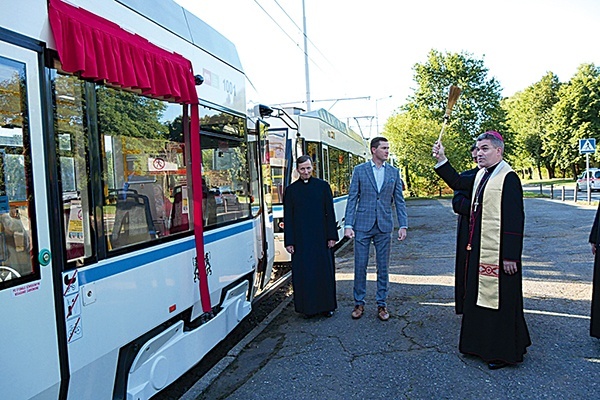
[306,57]
[377,110]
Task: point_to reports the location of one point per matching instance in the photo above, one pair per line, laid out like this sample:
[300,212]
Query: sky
[363,52]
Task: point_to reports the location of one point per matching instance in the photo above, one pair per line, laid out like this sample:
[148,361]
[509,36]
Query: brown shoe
[358,312]
[382,313]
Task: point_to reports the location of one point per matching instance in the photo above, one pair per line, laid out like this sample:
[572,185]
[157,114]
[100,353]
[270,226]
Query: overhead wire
[304,51]
[304,34]
[314,62]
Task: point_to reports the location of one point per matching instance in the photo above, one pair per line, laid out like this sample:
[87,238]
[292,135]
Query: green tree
[529,114]
[127,114]
[575,116]
[414,129]
[478,108]
[411,137]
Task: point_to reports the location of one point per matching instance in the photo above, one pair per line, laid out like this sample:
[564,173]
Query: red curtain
[98,49]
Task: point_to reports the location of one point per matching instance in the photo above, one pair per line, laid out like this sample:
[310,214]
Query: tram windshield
[16,194]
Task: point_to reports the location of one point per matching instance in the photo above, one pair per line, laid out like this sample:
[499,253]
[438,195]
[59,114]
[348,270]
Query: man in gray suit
[375,186]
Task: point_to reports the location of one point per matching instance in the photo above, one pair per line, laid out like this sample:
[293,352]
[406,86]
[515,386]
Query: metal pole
[587,176]
[377,116]
[306,57]
[377,110]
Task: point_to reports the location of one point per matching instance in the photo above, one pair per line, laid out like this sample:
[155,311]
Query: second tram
[334,148]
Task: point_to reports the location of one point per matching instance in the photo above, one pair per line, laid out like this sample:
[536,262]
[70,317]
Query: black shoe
[497,365]
[327,314]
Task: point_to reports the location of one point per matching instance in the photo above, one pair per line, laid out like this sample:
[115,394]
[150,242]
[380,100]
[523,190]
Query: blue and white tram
[108,193]
[334,148]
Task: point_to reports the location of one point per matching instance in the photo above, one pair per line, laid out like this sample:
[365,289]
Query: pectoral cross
[478,193]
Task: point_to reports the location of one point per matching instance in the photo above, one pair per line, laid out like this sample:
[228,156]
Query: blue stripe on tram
[99,272]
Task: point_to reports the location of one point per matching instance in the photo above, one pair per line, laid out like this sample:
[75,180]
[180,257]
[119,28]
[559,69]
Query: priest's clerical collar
[492,168]
[306,180]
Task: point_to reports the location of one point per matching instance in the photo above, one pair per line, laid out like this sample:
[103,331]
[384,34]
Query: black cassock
[461,204]
[495,335]
[595,238]
[309,222]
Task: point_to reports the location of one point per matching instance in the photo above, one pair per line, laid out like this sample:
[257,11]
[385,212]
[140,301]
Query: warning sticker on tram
[74,330]
[75,227]
[159,164]
[31,287]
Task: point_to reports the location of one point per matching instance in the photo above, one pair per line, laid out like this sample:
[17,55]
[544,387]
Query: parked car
[594,179]
[216,193]
[229,196]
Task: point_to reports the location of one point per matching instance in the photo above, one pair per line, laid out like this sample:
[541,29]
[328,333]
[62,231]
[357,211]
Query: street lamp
[377,110]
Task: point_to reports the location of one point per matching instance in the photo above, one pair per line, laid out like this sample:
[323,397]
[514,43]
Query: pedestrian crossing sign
[587,146]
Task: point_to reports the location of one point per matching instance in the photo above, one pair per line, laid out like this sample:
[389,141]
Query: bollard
[541,191]
[562,194]
[552,191]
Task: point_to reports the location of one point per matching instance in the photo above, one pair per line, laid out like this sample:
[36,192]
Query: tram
[334,148]
[136,223]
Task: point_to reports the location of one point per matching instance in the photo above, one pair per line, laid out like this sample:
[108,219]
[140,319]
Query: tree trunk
[551,170]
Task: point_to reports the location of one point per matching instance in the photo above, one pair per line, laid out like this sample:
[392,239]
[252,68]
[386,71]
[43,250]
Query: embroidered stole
[488,293]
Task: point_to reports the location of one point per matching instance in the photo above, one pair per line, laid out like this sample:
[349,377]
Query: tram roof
[327,117]
[188,26]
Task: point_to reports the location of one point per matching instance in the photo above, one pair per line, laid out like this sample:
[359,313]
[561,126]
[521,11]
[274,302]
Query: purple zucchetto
[495,134]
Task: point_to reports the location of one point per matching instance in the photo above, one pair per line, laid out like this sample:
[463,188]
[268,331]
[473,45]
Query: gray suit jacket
[366,205]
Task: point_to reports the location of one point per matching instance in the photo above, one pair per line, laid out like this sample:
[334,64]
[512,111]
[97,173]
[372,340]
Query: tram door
[261,203]
[267,187]
[29,355]
[325,163]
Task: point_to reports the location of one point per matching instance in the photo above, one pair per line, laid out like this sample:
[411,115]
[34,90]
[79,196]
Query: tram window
[145,177]
[225,171]
[340,171]
[336,170]
[312,149]
[278,166]
[72,146]
[16,195]
[255,189]
[215,121]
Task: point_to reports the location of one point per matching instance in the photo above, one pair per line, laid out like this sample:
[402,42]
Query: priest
[493,324]
[310,232]
[595,242]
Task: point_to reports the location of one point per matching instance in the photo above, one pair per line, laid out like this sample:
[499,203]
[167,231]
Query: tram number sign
[587,146]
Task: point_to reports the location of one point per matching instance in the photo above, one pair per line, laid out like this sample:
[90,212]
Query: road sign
[587,146]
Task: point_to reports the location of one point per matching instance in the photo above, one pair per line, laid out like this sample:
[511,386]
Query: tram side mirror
[264,111]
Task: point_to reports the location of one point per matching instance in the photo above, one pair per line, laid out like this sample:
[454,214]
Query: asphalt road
[414,355]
